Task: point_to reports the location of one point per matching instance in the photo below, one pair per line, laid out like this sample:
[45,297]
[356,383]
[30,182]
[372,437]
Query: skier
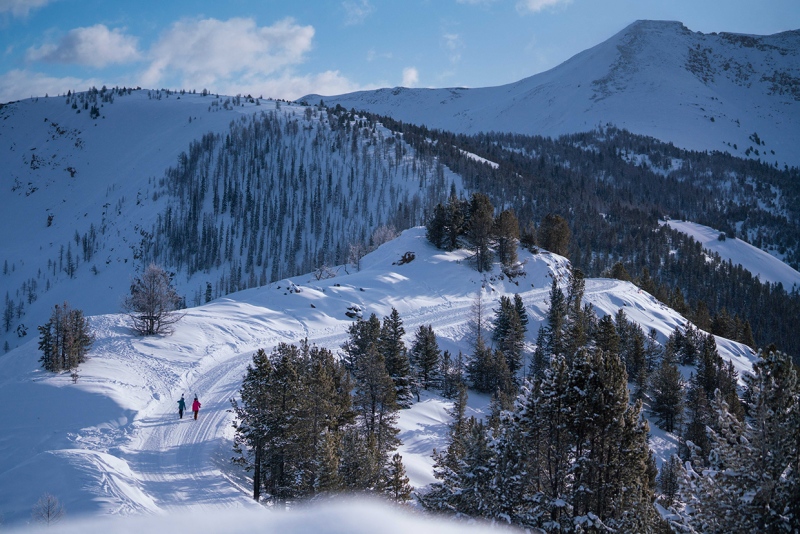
[181,406]
[195,407]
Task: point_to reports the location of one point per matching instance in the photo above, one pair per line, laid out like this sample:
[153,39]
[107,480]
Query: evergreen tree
[479,230]
[527,237]
[395,483]
[555,341]
[667,387]
[436,227]
[65,339]
[669,478]
[394,353]
[364,336]
[456,217]
[252,419]
[607,337]
[695,437]
[509,335]
[769,482]
[506,231]
[450,376]
[520,307]
[375,403]
[328,475]
[554,234]
[425,357]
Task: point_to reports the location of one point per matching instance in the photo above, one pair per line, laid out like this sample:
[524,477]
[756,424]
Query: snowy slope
[66,175]
[83,172]
[766,267]
[112,444]
[656,78]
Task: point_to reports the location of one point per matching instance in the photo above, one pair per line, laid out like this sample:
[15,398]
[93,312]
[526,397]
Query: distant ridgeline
[613,187]
[286,191]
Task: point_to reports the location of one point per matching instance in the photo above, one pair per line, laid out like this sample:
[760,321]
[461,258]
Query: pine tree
[436,226]
[283,421]
[252,419]
[606,336]
[479,230]
[328,476]
[509,335]
[395,483]
[667,387]
[554,234]
[375,402]
[65,339]
[769,452]
[669,480]
[519,305]
[554,342]
[425,356]
[699,417]
[364,335]
[506,231]
[556,448]
[393,349]
[456,215]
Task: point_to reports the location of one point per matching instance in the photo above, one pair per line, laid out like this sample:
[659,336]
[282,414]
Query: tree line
[613,187]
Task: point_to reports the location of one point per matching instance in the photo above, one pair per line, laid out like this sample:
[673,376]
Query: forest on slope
[613,188]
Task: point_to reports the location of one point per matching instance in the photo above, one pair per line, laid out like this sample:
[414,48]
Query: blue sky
[285,49]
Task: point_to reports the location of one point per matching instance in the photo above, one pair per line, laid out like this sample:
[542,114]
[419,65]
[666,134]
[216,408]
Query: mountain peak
[656,78]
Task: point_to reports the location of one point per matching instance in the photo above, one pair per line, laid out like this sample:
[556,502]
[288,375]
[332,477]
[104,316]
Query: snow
[656,78]
[119,162]
[479,159]
[112,444]
[766,267]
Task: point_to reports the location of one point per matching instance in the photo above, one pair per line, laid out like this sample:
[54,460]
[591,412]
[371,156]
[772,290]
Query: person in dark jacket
[181,407]
[195,407]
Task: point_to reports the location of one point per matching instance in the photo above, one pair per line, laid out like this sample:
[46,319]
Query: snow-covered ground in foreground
[341,516]
[112,444]
[766,267]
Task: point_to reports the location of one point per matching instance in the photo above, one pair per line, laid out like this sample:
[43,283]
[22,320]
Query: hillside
[768,268]
[728,92]
[111,444]
[225,192]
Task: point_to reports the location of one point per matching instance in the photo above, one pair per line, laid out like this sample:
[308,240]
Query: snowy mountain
[728,92]
[112,445]
[226,192]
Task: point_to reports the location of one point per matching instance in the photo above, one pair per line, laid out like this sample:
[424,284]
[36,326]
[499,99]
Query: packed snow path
[112,444]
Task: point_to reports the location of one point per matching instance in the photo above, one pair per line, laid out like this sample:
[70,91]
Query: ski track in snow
[140,458]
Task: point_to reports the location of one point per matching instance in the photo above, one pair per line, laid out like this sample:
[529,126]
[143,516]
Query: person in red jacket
[195,407]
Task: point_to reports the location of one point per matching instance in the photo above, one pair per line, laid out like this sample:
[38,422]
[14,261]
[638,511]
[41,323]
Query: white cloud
[410,77]
[372,55]
[356,11]
[534,6]
[21,8]
[454,45]
[228,57]
[18,84]
[95,46]
[211,52]
[291,86]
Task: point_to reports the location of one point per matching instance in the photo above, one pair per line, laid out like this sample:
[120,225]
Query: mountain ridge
[656,78]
